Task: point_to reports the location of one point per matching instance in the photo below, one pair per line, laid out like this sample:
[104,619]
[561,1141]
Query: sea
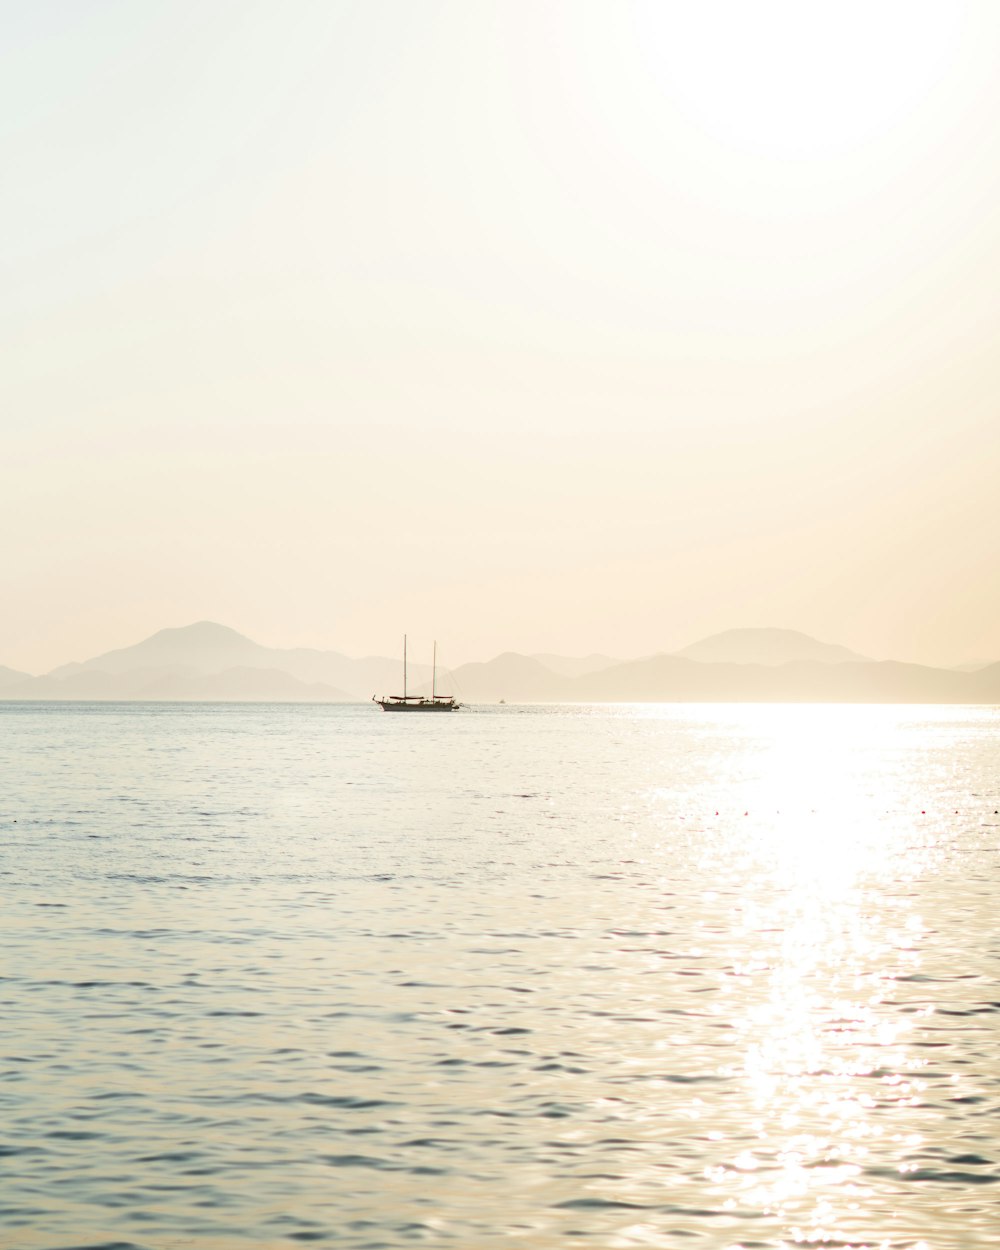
[581,977]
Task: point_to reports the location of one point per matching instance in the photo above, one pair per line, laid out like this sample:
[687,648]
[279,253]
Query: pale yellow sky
[526,325]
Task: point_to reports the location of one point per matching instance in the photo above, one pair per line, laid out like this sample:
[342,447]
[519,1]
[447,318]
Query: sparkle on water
[617,976]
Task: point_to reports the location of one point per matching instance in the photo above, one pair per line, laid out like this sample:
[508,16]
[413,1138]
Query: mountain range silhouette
[211,662]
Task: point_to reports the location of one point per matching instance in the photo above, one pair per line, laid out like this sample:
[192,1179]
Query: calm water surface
[580,977]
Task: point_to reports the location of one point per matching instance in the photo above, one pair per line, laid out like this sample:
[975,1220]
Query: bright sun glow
[794,80]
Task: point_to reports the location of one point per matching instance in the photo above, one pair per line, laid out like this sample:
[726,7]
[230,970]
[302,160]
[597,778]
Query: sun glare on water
[827,942]
[817,921]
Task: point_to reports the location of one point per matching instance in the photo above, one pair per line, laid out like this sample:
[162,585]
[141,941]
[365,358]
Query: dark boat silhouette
[416,702]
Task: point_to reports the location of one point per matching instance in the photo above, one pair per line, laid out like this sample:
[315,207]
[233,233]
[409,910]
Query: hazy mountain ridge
[766,646]
[210,662]
[209,657]
[511,677]
[574,666]
[243,685]
[673,679]
[11,677]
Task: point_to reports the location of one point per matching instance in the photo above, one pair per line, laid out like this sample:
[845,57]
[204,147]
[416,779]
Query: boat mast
[404,666]
[434,669]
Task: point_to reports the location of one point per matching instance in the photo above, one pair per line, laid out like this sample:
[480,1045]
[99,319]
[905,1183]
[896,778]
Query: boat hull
[418,702]
[388,706]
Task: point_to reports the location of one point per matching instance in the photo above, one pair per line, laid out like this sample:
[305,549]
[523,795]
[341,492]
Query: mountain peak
[766,646]
[203,647]
[200,631]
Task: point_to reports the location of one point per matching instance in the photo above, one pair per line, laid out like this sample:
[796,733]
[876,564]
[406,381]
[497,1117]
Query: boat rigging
[416,702]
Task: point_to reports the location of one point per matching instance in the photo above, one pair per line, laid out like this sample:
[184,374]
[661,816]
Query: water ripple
[584,977]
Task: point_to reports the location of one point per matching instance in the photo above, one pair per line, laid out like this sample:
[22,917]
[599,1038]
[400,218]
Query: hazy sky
[527,325]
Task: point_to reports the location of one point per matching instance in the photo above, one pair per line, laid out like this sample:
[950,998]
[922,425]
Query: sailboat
[417,702]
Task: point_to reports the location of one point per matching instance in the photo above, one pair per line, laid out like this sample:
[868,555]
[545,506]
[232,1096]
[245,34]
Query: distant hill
[206,661]
[11,677]
[766,646]
[207,657]
[515,678]
[240,685]
[673,679]
[200,648]
[573,666]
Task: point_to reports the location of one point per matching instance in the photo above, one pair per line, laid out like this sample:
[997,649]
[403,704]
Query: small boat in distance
[417,702]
